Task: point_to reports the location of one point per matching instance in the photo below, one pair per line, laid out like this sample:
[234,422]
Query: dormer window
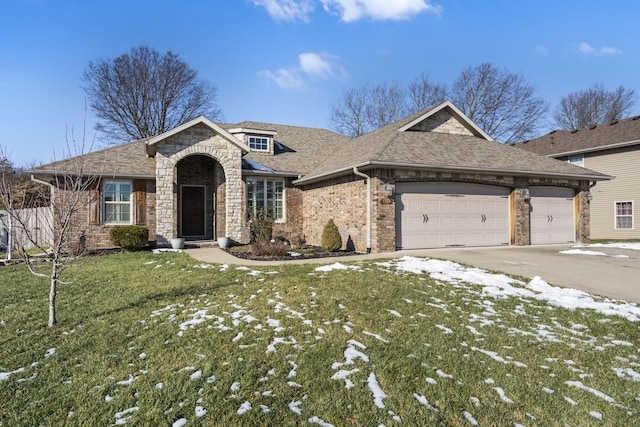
[259,143]
[260,140]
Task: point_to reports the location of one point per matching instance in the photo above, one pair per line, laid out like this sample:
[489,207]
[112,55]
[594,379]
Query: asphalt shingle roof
[585,139]
[301,148]
[440,150]
[129,159]
[314,153]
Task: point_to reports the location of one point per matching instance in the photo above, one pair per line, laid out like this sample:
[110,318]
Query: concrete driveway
[617,278]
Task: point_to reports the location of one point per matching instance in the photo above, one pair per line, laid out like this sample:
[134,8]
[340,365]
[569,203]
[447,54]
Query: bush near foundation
[130,237]
[331,240]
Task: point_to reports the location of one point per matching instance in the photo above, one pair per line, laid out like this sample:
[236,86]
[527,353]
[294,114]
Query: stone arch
[229,156]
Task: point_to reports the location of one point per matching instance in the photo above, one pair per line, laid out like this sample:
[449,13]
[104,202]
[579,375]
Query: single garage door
[432,215]
[552,215]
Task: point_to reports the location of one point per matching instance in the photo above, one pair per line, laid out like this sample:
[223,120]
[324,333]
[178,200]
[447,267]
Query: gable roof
[453,110]
[619,133]
[151,142]
[396,145]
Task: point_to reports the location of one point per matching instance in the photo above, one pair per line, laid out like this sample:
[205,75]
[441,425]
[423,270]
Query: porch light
[588,195]
[388,189]
[525,193]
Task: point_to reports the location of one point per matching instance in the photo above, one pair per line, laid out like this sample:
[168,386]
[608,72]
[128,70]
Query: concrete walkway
[617,278]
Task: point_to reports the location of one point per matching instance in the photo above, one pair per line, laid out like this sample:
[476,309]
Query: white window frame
[266,182]
[252,145]
[118,182]
[616,216]
[576,159]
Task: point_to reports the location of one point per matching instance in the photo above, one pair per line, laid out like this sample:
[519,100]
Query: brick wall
[96,235]
[292,227]
[344,201]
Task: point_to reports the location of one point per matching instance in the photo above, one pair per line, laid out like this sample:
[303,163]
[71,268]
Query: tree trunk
[52,293]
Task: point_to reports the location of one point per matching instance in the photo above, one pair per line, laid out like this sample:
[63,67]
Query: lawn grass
[149,339]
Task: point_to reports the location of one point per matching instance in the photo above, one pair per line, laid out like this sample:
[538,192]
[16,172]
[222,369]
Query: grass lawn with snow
[148,339]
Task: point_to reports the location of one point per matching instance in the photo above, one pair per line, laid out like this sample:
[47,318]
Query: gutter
[368,179]
[373,163]
[594,149]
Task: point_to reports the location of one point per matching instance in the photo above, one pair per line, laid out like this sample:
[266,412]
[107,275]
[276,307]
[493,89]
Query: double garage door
[432,215]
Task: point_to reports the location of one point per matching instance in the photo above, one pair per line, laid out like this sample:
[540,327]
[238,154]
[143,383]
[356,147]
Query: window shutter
[140,188]
[94,206]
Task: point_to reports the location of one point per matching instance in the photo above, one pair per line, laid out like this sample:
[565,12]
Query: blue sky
[288,61]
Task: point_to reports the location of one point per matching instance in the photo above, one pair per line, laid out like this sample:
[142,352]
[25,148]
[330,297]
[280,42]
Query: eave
[372,164]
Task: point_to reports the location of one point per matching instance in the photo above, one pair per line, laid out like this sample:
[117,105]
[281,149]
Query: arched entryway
[200,198]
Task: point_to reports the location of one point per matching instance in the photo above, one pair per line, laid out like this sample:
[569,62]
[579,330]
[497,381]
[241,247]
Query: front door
[193,211]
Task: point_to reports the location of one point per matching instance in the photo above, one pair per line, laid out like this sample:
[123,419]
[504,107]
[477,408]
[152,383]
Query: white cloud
[287,10]
[286,79]
[541,50]
[312,65]
[321,65]
[352,10]
[587,49]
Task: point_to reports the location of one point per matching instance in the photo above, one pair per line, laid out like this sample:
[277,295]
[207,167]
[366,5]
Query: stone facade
[197,140]
[442,122]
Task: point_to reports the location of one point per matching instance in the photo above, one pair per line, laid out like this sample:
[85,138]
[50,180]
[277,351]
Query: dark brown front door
[193,211]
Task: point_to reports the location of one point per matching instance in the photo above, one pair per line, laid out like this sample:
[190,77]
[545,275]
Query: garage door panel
[458,215]
[552,215]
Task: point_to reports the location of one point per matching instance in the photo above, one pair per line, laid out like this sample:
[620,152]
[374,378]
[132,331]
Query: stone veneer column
[197,142]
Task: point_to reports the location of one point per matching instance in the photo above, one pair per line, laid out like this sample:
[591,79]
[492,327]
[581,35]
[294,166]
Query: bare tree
[500,102]
[349,115]
[593,106]
[386,104]
[143,93]
[64,241]
[424,94]
[368,107]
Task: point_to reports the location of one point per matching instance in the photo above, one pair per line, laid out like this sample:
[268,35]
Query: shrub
[269,249]
[297,242]
[130,237]
[261,225]
[331,240]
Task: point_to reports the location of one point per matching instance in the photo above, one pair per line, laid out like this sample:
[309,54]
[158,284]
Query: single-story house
[612,149]
[433,179]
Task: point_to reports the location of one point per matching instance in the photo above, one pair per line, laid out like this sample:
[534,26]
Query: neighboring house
[612,149]
[433,179]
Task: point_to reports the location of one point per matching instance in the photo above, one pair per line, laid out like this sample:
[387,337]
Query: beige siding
[624,164]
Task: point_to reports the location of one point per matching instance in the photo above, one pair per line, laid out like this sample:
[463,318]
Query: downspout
[368,179]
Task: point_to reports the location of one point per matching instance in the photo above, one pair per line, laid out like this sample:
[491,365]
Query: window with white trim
[576,159]
[117,199]
[266,194]
[259,143]
[624,215]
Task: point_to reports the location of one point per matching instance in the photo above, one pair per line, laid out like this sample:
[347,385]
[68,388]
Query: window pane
[124,192]
[109,192]
[265,194]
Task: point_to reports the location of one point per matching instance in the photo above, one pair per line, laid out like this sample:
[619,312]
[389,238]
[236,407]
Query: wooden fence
[35,222]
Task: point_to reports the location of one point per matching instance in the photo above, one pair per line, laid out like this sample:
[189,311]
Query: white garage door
[552,215]
[432,215]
